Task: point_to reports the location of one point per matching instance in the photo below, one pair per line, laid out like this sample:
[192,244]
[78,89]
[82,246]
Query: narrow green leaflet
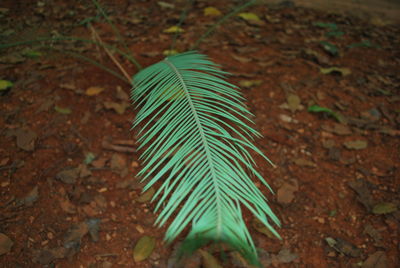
[319,109]
[334,34]
[195,137]
[62,110]
[5,84]
[331,26]
[365,43]
[330,48]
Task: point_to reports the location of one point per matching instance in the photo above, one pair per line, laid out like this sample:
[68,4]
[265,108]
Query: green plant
[197,136]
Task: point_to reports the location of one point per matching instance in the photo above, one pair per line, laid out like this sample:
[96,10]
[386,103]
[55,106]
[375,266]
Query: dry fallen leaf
[356,144]
[338,129]
[47,256]
[146,196]
[212,12]
[375,234]
[31,197]
[361,187]
[249,83]
[5,84]
[302,162]
[62,110]
[379,21]
[26,139]
[209,261]
[118,162]
[294,102]
[130,183]
[67,206]
[163,5]
[178,95]
[68,175]
[174,29]
[331,70]
[260,227]
[4,161]
[170,52]
[74,236]
[285,193]
[286,256]
[121,94]
[376,260]
[315,56]
[384,208]
[144,247]
[118,107]
[342,246]
[239,261]
[251,18]
[5,244]
[242,59]
[93,91]
[12,58]
[341,129]
[46,105]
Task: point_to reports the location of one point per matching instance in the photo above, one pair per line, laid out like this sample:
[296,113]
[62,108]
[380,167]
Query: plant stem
[222,20]
[98,64]
[181,19]
[71,38]
[114,28]
[128,77]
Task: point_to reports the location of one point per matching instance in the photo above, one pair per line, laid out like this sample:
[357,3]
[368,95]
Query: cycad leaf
[196,138]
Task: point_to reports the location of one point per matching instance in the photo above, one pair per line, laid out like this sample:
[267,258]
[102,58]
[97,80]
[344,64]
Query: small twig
[7,167]
[9,218]
[52,167]
[122,149]
[97,169]
[78,134]
[128,77]
[93,36]
[8,202]
[125,142]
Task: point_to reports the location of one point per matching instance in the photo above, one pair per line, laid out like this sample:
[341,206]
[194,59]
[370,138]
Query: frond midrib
[205,145]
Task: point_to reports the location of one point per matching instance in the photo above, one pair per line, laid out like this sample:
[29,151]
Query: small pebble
[134,164]
[139,229]
[5,184]
[50,235]
[108,237]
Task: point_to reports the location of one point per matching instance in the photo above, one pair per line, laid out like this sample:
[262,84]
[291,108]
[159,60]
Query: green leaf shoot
[195,135]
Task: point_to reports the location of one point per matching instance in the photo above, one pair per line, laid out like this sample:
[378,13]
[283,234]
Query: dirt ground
[324,89]
[368,10]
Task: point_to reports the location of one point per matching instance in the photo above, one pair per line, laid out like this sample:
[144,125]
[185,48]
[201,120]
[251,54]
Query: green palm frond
[196,140]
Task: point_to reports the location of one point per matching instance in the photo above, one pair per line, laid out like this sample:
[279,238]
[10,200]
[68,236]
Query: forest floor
[68,192]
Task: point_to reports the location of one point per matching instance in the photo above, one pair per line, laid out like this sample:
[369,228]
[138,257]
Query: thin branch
[118,148]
